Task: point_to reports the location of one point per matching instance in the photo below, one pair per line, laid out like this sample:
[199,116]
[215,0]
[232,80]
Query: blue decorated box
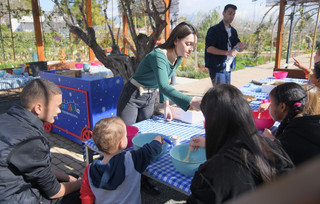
[85,100]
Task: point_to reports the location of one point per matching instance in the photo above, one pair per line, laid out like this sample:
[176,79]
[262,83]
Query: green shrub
[189,71]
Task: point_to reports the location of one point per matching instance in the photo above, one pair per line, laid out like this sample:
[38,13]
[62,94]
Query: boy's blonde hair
[107,134]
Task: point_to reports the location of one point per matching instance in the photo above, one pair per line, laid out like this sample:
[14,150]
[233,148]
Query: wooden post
[280,34]
[89,19]
[125,32]
[314,37]
[37,29]
[167,18]
[11,32]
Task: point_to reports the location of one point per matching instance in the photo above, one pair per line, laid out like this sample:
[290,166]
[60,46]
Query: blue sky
[246,8]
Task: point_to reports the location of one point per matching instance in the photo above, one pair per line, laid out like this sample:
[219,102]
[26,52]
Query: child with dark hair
[298,134]
[115,178]
[238,157]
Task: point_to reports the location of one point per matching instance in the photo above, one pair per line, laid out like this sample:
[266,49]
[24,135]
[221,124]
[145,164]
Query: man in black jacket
[25,159]
[222,46]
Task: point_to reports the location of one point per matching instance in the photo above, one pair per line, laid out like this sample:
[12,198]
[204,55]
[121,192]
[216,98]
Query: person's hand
[241,46]
[159,139]
[296,63]
[71,178]
[232,53]
[79,179]
[167,111]
[196,142]
[300,66]
[195,102]
[263,107]
[268,134]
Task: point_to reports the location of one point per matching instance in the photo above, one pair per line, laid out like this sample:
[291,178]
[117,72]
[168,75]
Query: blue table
[163,170]
[12,81]
[255,90]
[11,84]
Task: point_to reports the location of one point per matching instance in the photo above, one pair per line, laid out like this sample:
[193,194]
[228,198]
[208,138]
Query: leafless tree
[120,64]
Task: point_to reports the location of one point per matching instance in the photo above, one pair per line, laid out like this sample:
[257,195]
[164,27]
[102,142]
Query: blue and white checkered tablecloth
[273,79]
[163,169]
[255,90]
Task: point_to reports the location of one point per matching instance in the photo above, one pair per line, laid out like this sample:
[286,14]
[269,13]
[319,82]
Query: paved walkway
[67,155]
[238,78]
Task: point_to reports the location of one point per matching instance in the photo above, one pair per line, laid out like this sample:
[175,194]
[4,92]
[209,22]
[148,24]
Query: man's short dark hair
[38,89]
[234,7]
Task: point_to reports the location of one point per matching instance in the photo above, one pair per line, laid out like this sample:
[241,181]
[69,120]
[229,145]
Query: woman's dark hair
[182,30]
[229,117]
[295,98]
[317,69]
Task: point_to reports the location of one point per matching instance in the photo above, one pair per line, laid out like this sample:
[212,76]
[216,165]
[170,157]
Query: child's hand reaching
[263,107]
[159,139]
[196,142]
[267,133]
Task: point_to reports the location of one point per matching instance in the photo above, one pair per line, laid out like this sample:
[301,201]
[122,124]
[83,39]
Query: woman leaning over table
[137,99]
[238,157]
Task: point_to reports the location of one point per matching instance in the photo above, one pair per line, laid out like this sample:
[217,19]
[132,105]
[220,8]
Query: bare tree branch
[110,30]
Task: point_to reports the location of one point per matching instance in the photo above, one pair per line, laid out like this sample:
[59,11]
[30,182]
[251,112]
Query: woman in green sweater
[137,99]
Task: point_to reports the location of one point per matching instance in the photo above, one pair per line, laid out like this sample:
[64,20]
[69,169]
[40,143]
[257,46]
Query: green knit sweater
[154,72]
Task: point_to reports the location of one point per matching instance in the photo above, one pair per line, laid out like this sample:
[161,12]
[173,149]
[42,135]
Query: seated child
[115,177]
[238,158]
[297,133]
[312,106]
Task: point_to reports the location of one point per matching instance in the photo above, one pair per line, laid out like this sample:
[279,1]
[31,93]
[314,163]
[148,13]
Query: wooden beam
[280,34]
[37,29]
[89,19]
[167,18]
[125,32]
[314,37]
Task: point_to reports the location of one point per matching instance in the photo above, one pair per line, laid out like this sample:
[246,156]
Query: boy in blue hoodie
[115,177]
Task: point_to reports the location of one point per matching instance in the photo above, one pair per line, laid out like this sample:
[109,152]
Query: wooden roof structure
[174,7]
[292,73]
[272,2]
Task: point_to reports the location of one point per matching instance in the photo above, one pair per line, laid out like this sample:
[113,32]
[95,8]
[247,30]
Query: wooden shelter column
[37,29]
[167,19]
[280,34]
[89,19]
[314,38]
[125,33]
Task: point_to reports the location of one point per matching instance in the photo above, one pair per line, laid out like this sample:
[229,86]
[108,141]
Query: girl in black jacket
[298,134]
[238,157]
